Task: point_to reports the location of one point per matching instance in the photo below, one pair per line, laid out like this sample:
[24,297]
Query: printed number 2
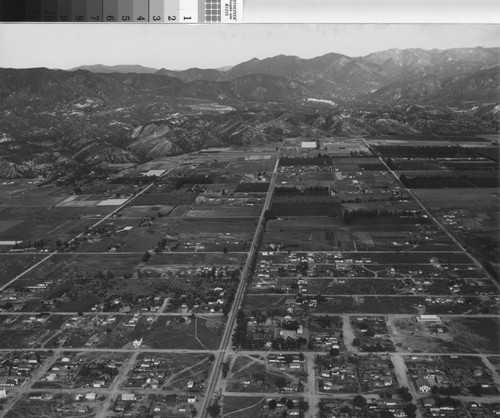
[172,18]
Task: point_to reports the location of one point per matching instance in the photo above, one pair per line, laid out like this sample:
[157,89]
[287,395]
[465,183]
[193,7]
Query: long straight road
[231,322]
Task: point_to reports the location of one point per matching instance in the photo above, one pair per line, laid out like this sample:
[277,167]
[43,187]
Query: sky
[180,46]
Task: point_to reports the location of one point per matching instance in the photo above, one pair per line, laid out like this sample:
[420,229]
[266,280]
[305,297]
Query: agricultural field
[60,265]
[307,234]
[196,259]
[13,264]
[361,233]
[472,217]
[124,235]
[47,234]
[138,305]
[197,234]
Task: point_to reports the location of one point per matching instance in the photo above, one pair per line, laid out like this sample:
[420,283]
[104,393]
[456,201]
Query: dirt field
[241,407]
[464,335]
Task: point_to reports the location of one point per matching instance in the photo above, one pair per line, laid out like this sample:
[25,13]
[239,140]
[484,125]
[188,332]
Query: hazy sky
[212,46]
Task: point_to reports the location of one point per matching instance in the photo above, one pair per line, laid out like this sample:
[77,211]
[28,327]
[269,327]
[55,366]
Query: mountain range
[340,76]
[107,116]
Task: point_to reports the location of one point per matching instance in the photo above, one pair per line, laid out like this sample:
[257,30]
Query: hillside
[130,114]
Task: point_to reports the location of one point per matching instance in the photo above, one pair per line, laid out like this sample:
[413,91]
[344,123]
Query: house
[428,319]
[98,383]
[191,398]
[422,384]
[137,343]
[91,396]
[51,377]
[3,393]
[285,333]
[128,397]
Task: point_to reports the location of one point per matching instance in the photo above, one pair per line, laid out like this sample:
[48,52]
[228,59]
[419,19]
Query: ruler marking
[125,10]
[49,10]
[63,10]
[140,11]
[188,11]
[110,11]
[94,10]
[171,11]
[156,11]
[78,11]
[33,10]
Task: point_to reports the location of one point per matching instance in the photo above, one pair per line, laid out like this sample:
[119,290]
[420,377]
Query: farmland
[330,263]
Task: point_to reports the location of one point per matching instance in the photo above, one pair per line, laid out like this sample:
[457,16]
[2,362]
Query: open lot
[172,372]
[242,407]
[453,334]
[253,373]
